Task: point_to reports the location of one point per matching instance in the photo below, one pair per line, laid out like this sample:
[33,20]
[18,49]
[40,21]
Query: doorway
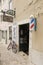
[24,38]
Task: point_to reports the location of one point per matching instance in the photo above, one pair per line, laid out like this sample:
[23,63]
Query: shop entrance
[24,38]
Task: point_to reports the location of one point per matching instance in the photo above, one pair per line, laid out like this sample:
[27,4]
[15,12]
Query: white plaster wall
[23,21]
[0,5]
[11,5]
[5,26]
[5,5]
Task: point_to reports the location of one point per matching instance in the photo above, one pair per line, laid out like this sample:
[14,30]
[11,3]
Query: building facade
[6,20]
[25,8]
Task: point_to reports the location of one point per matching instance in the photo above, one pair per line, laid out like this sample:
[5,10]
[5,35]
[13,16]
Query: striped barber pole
[32,24]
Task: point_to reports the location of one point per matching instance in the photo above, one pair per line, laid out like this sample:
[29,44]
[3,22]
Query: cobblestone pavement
[10,58]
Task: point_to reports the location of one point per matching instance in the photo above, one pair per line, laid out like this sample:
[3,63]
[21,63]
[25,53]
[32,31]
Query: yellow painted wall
[38,35]
[24,8]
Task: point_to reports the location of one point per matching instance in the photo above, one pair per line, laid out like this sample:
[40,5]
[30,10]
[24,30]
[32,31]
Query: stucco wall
[24,8]
[38,35]
[5,4]
[5,27]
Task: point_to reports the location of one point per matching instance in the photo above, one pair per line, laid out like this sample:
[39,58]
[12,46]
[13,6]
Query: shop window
[3,34]
[10,32]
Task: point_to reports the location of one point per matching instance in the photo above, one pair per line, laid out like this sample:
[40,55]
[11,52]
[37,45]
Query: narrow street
[7,57]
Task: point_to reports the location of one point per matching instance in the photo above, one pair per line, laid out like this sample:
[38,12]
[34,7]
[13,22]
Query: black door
[24,38]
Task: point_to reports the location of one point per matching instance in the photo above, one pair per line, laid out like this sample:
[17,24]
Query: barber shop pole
[32,24]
